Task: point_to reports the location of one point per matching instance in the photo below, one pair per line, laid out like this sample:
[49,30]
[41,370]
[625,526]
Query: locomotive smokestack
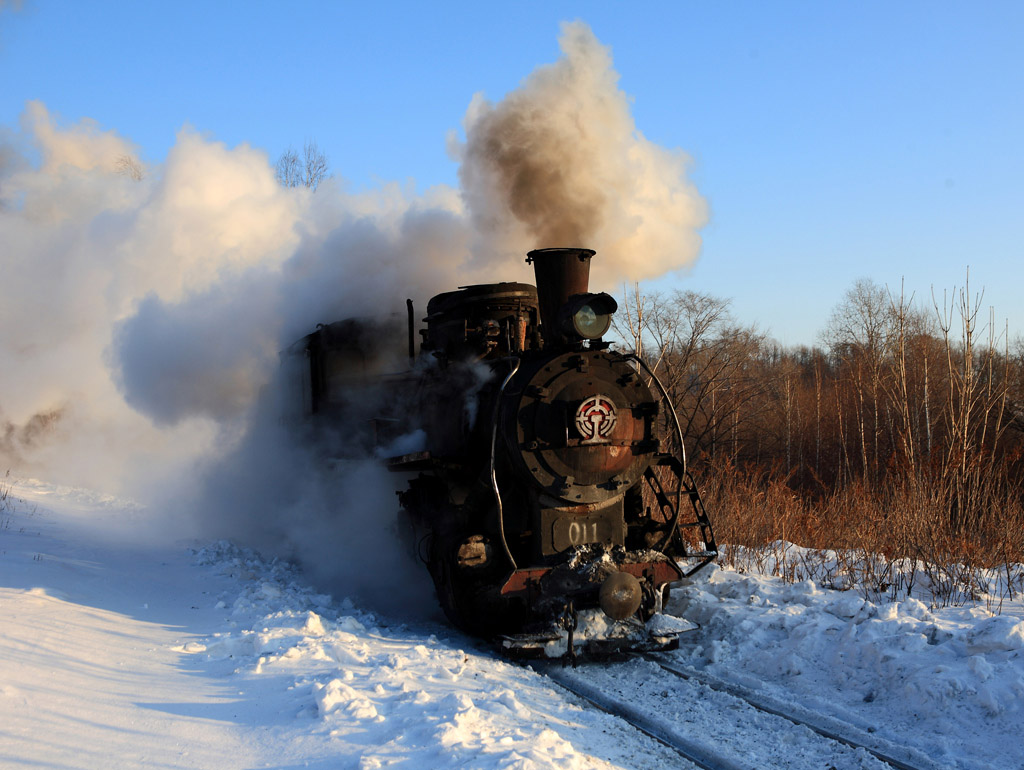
[559,273]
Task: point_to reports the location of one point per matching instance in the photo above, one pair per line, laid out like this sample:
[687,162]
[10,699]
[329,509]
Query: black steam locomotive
[545,470]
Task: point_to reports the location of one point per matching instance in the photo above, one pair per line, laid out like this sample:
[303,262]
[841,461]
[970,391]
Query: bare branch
[288,170]
[127,165]
[307,170]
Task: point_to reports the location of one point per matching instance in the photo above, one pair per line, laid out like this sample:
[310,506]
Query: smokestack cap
[582,254]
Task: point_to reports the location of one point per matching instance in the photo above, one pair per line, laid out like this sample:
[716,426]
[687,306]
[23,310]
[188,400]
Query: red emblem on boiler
[595,419]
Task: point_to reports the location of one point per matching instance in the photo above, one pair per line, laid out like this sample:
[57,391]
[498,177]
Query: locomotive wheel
[469,595]
[440,567]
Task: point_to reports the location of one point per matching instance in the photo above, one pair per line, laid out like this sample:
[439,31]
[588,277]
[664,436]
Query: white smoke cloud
[83,147]
[143,312]
[559,162]
[85,246]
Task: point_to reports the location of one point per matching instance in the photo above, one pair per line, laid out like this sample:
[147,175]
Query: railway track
[696,753]
[718,725]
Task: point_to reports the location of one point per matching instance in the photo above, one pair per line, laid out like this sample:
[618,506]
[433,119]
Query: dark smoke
[559,162]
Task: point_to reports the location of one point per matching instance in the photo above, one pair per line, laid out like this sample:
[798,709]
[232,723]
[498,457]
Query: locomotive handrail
[494,477]
[682,446]
[668,400]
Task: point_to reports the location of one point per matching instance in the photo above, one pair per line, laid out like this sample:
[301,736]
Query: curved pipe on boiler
[494,478]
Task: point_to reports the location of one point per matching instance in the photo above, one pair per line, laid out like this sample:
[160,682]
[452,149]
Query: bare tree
[706,362]
[977,407]
[859,333]
[306,170]
[287,171]
[631,327]
[129,166]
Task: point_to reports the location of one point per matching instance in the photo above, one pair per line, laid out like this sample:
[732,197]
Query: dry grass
[5,504]
[958,544]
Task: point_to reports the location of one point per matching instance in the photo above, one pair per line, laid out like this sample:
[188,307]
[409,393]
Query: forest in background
[894,448]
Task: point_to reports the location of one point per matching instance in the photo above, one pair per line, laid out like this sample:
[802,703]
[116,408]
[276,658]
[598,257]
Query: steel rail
[695,753]
[750,698]
[700,754]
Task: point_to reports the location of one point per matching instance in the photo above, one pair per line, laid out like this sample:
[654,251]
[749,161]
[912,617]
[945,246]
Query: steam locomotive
[545,472]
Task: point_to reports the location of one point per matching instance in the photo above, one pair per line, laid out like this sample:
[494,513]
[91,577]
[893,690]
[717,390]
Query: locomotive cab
[347,374]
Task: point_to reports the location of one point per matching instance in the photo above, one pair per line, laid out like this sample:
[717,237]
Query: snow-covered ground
[115,652]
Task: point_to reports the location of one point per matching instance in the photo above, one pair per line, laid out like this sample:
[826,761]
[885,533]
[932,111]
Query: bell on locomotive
[553,496]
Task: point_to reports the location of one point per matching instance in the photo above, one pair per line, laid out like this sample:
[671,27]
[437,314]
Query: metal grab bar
[494,478]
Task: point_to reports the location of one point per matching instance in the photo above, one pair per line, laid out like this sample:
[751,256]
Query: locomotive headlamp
[620,595]
[589,316]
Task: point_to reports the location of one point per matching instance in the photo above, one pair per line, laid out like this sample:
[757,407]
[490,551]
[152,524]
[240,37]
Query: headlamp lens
[589,323]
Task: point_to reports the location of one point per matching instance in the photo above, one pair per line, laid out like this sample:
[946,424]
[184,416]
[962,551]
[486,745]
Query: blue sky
[831,140]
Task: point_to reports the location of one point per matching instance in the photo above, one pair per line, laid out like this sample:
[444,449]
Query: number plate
[570,530]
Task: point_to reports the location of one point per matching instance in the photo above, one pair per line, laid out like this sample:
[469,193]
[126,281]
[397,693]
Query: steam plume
[143,312]
[559,162]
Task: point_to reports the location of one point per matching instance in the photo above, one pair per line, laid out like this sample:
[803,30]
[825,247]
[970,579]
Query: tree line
[902,432]
[896,444]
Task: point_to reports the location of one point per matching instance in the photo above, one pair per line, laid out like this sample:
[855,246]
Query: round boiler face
[583,431]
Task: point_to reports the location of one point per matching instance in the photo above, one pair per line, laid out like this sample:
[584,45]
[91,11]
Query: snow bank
[219,658]
[383,693]
[948,681]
